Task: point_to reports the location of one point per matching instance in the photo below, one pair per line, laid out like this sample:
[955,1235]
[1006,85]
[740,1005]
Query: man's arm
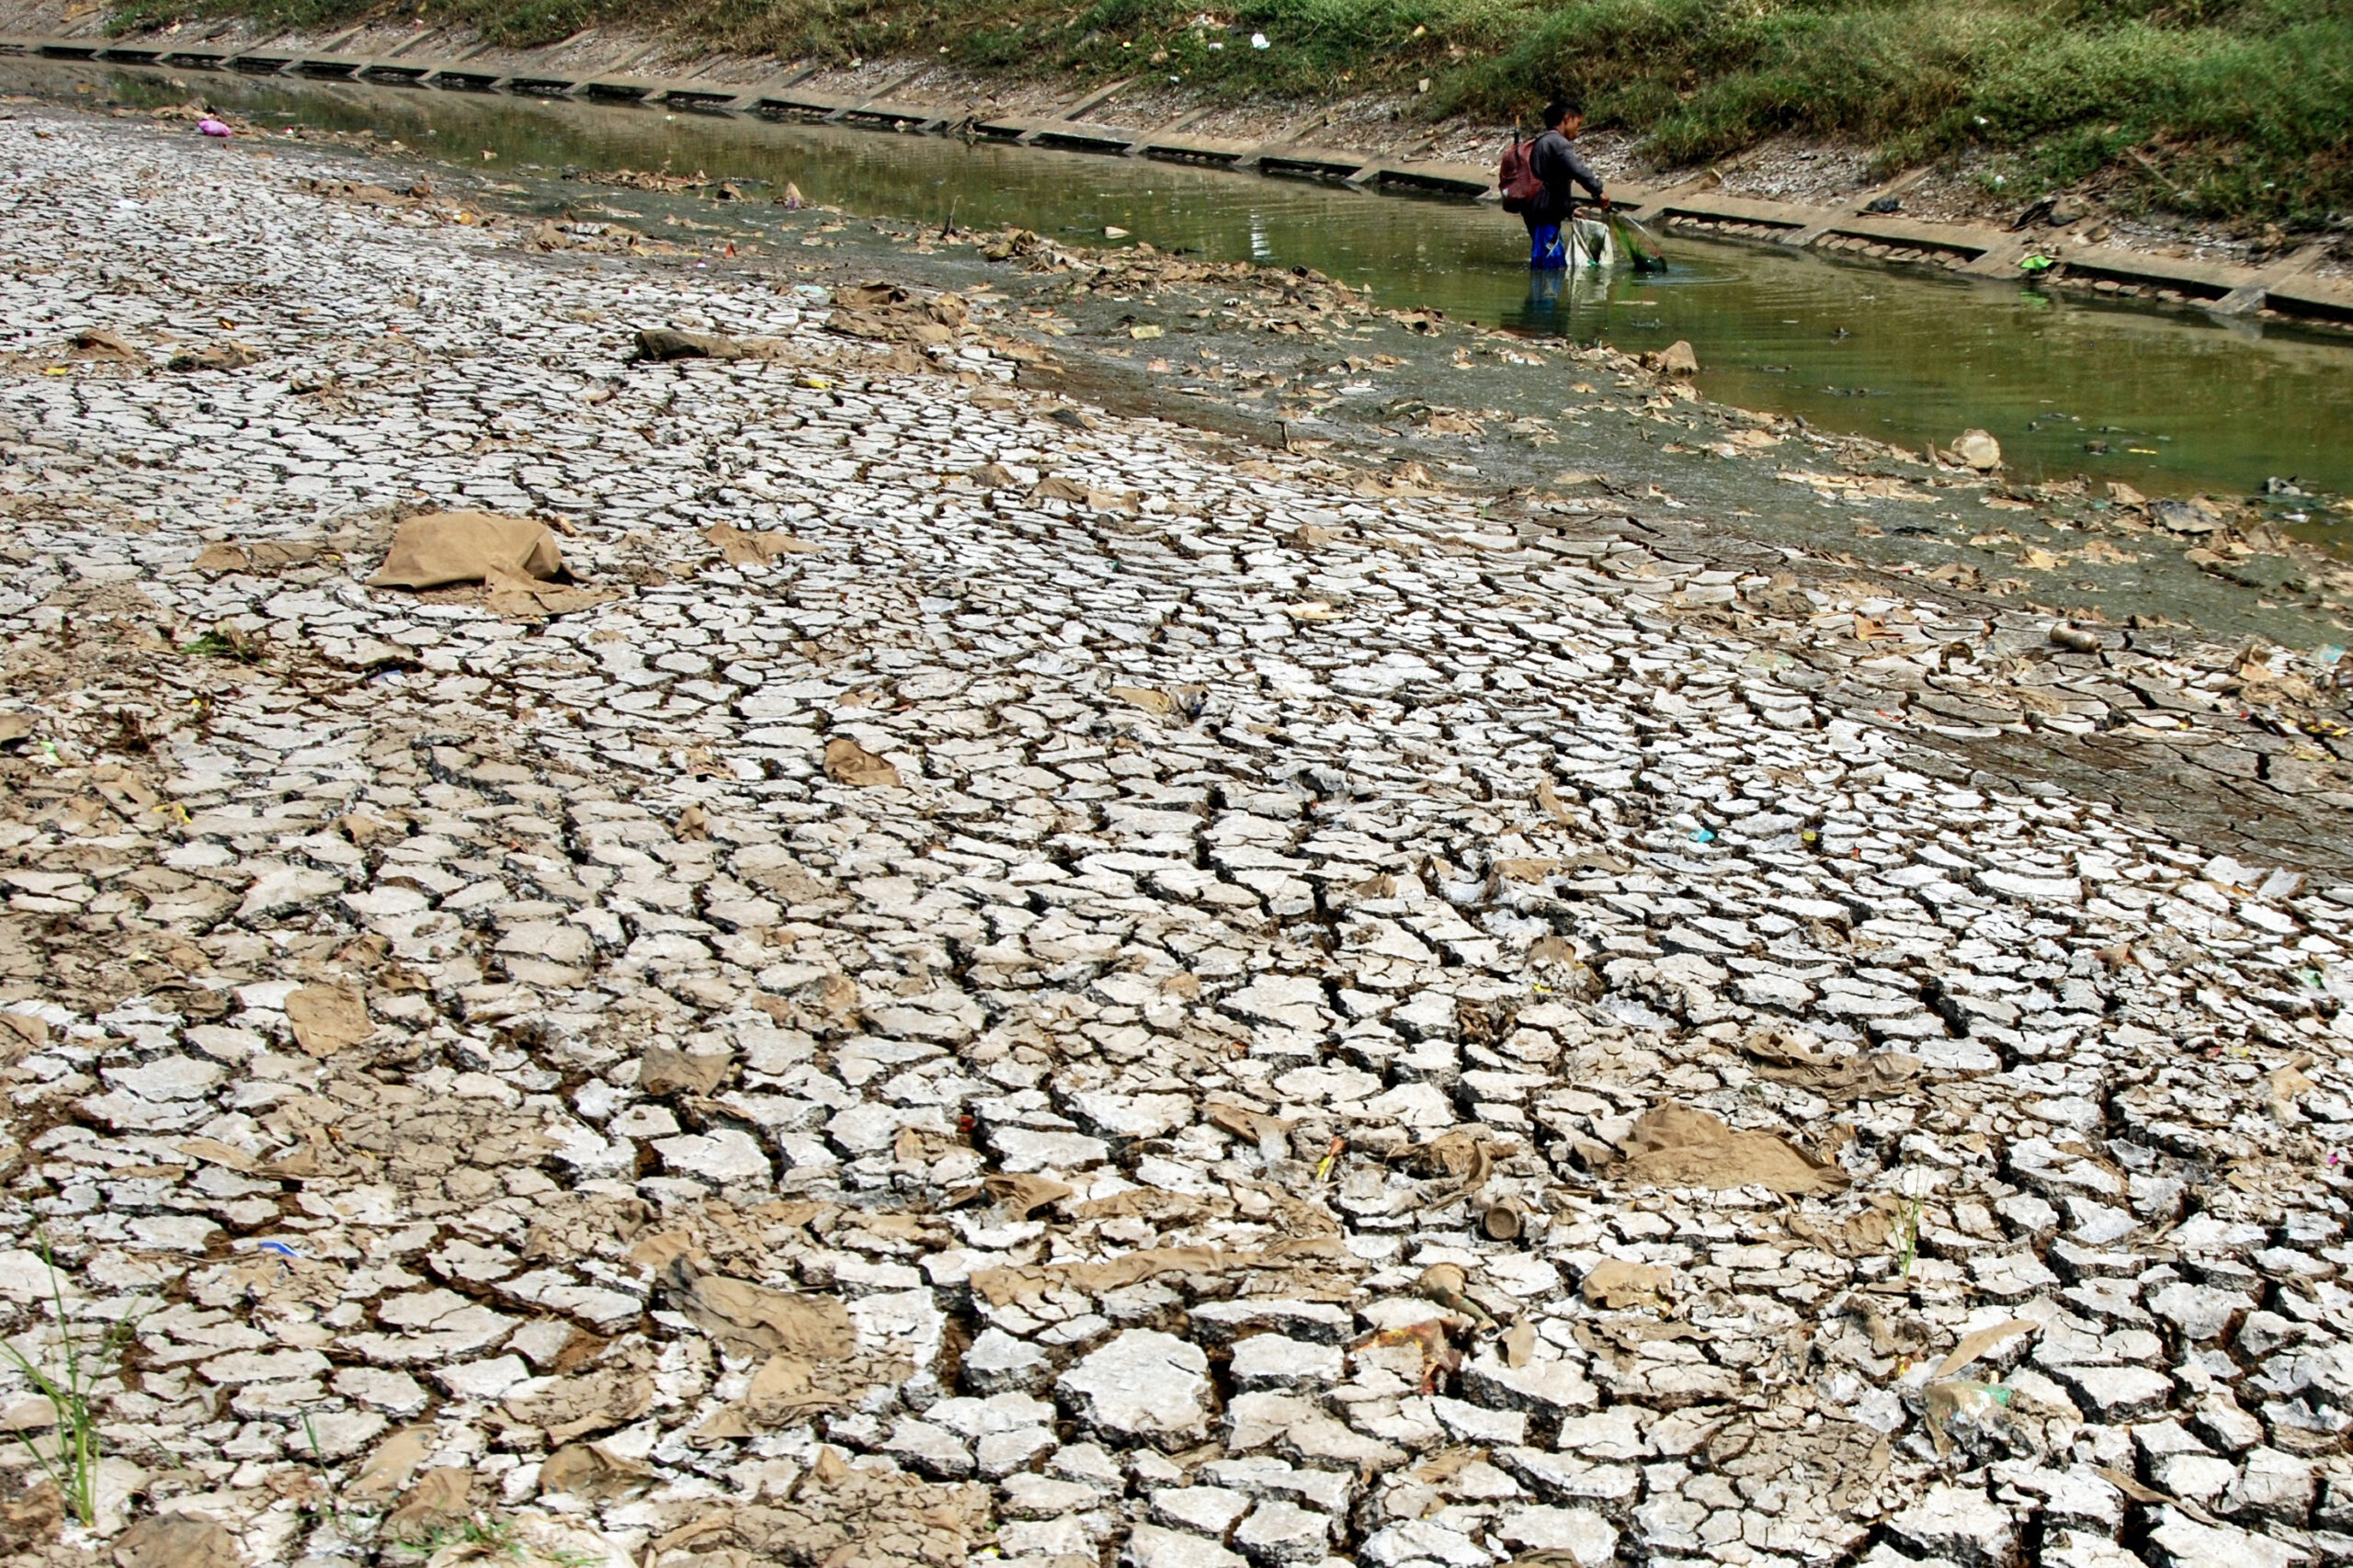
[1580,173]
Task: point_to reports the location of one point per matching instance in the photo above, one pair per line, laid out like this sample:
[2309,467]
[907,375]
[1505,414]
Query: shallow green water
[2167,399]
[2181,402]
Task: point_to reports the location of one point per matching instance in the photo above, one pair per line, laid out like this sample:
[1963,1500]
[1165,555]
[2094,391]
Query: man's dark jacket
[1554,161]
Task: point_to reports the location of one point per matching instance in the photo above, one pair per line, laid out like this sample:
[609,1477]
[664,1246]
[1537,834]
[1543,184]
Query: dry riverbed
[984,978]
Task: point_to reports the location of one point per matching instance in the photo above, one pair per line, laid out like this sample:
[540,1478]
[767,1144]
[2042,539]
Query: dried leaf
[177,1540]
[591,1470]
[217,1152]
[751,1319]
[1841,1080]
[1017,1195]
[1002,1286]
[664,1070]
[1551,949]
[1976,1344]
[754,547]
[385,1473]
[1145,697]
[847,762]
[1243,1123]
[438,1500]
[1618,1286]
[328,1019]
[2289,1085]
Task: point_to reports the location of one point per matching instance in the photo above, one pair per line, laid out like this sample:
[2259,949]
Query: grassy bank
[2240,110]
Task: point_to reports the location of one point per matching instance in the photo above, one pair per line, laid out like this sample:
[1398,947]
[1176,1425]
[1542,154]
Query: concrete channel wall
[2284,288]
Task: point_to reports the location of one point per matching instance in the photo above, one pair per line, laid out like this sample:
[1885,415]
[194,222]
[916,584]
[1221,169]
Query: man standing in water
[1553,160]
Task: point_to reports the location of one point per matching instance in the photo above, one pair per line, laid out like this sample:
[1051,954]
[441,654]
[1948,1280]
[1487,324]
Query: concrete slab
[2319,299]
[1311,163]
[455,79]
[2250,296]
[883,115]
[1721,209]
[1075,137]
[1198,149]
[1461,181]
[700,100]
[1987,252]
[793,104]
[1890,230]
[2199,280]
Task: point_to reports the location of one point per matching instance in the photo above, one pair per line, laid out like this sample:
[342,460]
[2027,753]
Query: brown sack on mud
[1678,1146]
[467,547]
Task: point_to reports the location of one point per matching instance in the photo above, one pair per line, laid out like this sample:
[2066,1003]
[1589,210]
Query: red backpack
[1516,175]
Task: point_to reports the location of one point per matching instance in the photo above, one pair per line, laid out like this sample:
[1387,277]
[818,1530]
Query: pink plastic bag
[211,127]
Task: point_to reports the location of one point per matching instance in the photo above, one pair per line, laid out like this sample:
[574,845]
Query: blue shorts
[1546,253]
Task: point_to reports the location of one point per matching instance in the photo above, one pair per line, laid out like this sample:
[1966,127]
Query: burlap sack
[466,547]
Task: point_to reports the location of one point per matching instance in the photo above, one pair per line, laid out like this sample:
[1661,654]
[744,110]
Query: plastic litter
[208,126]
[1961,1402]
[1590,242]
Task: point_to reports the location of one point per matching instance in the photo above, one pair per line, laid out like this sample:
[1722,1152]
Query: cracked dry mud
[991,984]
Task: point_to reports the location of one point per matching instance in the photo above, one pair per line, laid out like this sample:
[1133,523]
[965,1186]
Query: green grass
[67,1377]
[2240,110]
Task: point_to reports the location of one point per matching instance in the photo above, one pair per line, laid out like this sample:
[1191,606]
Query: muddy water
[2179,403]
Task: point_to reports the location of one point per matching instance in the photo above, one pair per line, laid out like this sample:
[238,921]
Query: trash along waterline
[2168,400]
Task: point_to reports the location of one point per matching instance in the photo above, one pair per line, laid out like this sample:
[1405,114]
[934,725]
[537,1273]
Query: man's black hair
[1560,109]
